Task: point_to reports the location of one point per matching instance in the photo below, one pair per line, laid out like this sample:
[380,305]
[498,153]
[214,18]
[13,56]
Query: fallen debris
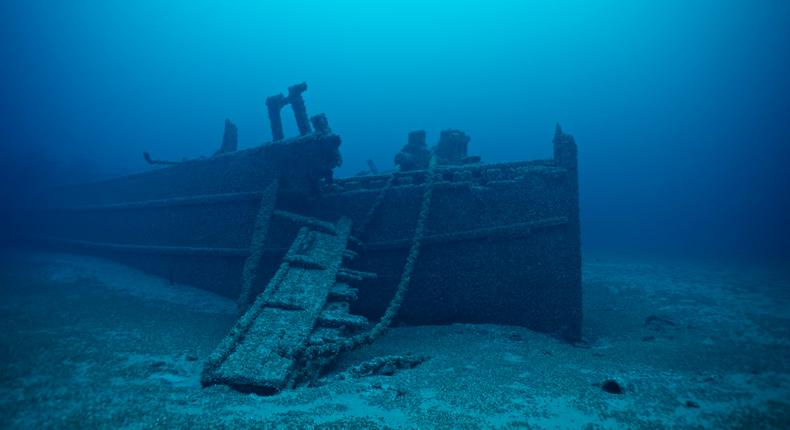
[692,404]
[612,387]
[387,365]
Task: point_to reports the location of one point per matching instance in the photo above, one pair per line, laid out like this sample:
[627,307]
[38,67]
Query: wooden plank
[249,273]
[199,200]
[259,354]
[146,249]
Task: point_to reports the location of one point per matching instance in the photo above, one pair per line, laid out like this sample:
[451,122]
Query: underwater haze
[612,252]
[681,109]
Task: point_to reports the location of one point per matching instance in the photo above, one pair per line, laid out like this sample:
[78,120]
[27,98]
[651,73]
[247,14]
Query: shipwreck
[321,265]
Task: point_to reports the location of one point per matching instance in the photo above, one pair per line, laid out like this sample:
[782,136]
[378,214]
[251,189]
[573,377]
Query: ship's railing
[478,174]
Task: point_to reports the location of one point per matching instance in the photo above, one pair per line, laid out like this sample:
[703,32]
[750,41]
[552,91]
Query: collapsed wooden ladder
[301,321]
[305,304]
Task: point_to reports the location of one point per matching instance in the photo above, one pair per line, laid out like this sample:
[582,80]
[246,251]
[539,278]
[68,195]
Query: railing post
[230,138]
[299,108]
[274,105]
[320,123]
[565,152]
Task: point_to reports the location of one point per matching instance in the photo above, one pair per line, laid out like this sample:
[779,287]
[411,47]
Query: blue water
[681,109]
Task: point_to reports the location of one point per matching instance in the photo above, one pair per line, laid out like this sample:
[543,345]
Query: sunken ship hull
[501,242]
[312,260]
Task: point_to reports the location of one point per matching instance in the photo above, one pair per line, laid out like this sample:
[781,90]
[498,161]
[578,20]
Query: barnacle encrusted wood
[262,350]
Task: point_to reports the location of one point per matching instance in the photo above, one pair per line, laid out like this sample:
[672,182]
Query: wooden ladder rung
[337,318]
[346,275]
[343,291]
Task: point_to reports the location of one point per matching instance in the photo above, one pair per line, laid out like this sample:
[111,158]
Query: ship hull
[501,243]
